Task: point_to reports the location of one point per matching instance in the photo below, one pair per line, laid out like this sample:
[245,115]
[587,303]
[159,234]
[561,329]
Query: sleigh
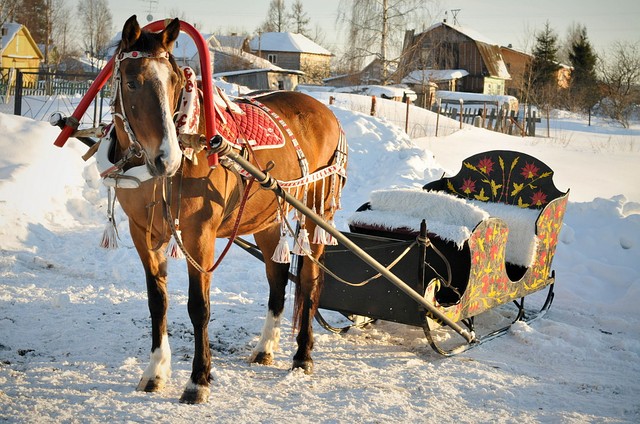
[465,244]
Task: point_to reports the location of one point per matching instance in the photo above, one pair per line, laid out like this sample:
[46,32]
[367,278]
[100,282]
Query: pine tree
[543,69]
[545,58]
[584,83]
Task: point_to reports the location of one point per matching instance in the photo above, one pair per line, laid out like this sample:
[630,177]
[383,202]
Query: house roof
[286,42]
[233,41]
[224,55]
[12,29]
[419,76]
[275,70]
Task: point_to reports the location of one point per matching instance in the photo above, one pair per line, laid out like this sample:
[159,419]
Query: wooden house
[450,47]
[293,51]
[18,51]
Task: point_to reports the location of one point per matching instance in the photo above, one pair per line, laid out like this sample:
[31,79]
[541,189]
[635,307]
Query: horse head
[147,85]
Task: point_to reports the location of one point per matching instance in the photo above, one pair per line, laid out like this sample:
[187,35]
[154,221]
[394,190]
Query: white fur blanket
[451,218]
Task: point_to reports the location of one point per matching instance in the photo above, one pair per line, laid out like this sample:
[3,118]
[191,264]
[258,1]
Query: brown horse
[147,86]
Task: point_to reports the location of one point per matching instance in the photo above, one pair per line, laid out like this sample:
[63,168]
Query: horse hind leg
[306,304]
[277,276]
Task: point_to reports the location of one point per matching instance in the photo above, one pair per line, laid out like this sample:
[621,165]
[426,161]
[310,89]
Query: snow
[75,332]
[286,42]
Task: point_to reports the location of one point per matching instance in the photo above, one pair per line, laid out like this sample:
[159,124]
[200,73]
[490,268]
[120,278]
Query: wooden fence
[492,118]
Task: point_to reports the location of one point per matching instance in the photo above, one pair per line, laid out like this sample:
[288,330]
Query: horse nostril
[161,162]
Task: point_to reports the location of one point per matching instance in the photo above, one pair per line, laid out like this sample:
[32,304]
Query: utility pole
[383,38]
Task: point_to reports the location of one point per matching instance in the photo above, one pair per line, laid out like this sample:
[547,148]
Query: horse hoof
[305,364]
[151,385]
[195,394]
[263,358]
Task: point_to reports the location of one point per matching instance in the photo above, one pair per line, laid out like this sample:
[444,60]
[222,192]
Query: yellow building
[19,51]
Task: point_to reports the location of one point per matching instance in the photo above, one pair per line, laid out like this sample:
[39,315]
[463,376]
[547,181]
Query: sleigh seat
[496,223]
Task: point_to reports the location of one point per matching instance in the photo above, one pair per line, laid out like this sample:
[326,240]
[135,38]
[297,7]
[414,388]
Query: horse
[214,202]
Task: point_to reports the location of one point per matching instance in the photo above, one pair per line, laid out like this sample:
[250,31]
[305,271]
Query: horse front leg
[277,276]
[197,389]
[306,304]
[156,374]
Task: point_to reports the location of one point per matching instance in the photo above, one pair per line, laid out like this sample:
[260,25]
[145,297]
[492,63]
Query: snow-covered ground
[74,327]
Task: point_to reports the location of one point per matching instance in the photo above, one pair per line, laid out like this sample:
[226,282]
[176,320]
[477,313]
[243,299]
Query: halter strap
[141,55]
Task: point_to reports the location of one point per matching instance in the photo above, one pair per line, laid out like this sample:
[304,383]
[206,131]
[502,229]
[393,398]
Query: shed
[19,51]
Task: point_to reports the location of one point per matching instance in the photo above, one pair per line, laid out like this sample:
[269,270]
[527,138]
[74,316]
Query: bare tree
[376,27]
[299,18]
[62,34]
[620,73]
[277,18]
[7,11]
[96,27]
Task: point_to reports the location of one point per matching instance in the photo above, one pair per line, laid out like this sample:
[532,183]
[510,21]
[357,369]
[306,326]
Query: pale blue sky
[503,21]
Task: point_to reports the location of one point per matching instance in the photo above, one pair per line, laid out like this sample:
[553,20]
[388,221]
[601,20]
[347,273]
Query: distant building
[18,51]
[293,51]
[448,47]
[518,62]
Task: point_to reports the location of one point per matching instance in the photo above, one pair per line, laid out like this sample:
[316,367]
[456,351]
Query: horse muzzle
[164,163]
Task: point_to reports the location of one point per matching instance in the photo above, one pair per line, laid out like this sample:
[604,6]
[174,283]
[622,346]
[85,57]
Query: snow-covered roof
[382,91]
[233,41]
[248,59]
[420,76]
[11,29]
[456,96]
[273,69]
[286,42]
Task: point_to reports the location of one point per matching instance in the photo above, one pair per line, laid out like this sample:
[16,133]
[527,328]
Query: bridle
[135,148]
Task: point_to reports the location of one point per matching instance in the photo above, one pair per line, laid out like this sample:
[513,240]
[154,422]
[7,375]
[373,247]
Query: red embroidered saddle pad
[255,125]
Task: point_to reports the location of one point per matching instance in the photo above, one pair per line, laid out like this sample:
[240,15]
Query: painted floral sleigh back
[502,176]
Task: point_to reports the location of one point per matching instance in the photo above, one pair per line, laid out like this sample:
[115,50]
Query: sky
[502,21]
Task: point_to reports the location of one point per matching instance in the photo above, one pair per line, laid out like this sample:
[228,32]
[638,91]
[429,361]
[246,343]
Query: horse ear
[130,33]
[170,34]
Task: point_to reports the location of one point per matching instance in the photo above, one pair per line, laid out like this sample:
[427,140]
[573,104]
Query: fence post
[17,105]
[461,112]
[332,100]
[406,118]
[373,106]
[439,102]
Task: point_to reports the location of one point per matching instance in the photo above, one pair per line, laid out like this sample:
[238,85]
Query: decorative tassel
[173,248]
[110,236]
[319,235]
[302,246]
[329,239]
[282,255]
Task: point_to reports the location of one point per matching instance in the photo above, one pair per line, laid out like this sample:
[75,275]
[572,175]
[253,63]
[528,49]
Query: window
[273,58]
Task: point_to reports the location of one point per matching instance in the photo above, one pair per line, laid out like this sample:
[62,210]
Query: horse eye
[131,85]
